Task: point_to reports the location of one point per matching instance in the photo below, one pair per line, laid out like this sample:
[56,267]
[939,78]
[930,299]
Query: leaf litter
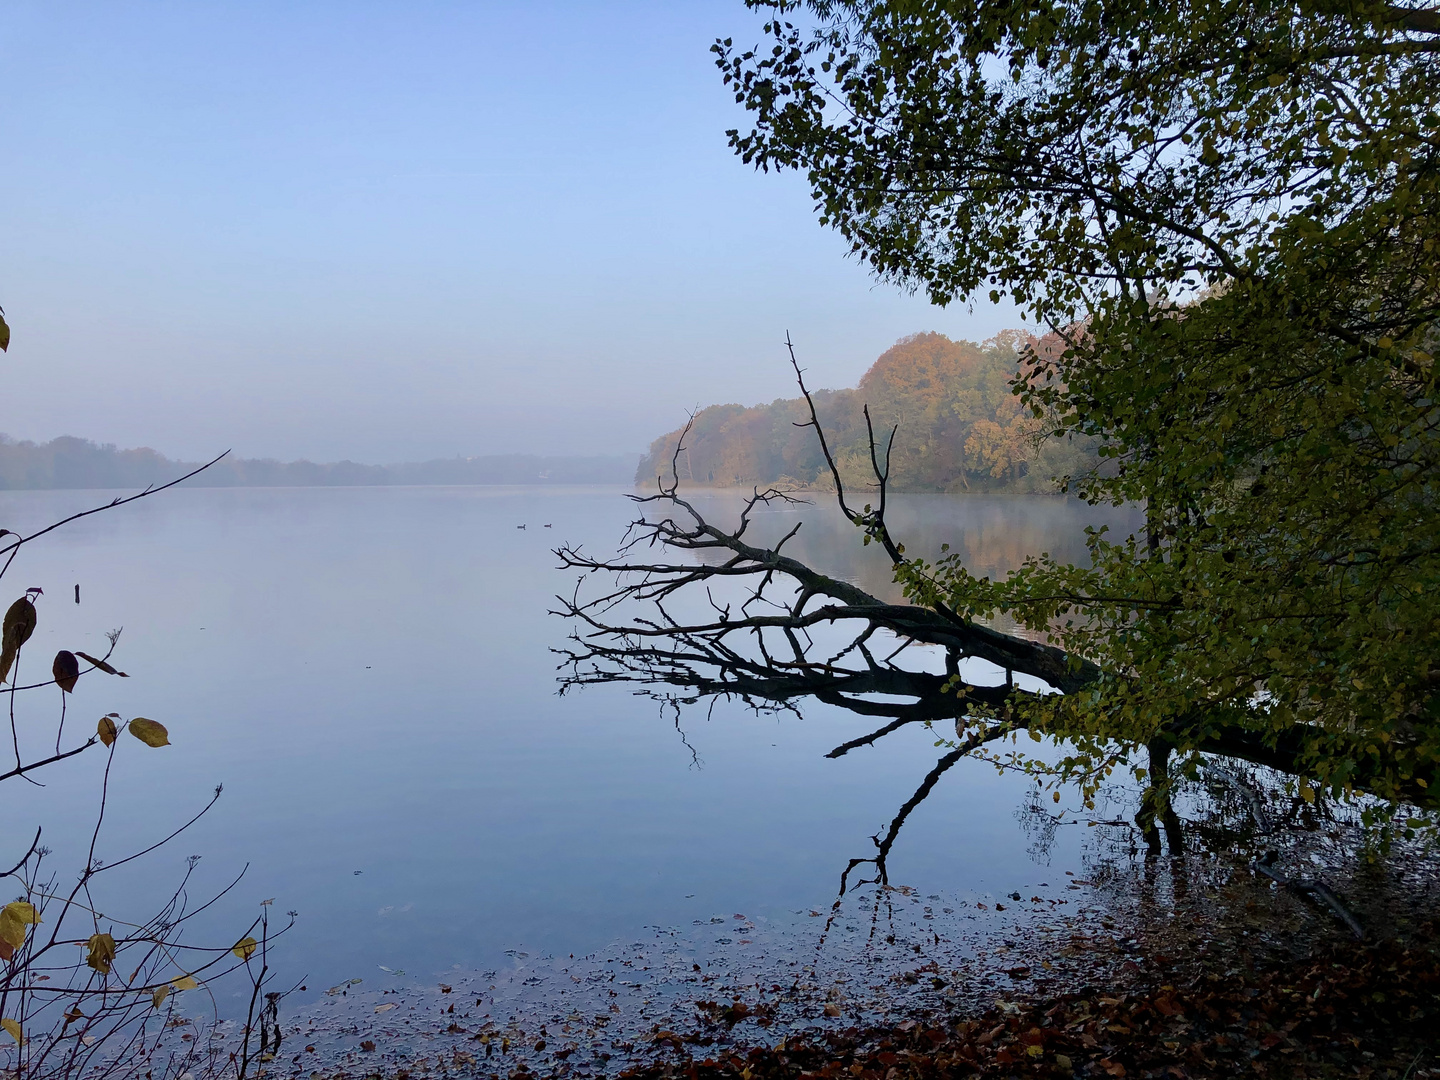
[1170,968]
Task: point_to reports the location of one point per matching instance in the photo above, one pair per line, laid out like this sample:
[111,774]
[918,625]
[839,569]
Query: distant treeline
[960,428]
[68,462]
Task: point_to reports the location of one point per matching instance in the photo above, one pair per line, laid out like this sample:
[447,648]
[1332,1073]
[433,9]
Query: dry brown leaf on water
[66,670]
[13,1027]
[149,732]
[100,953]
[99,664]
[107,730]
[245,948]
[185,982]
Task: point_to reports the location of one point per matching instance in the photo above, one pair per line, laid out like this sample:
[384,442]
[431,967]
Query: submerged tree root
[1357,1011]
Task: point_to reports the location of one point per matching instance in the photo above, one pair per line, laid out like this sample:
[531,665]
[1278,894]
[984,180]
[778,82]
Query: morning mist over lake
[746,540]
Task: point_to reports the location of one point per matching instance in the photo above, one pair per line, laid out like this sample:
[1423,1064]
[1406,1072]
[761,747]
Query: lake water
[368,672]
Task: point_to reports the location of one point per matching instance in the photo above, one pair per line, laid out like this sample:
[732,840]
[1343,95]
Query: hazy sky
[394,231]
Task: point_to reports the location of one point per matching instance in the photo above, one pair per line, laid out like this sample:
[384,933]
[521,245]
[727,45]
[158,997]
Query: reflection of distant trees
[995,533]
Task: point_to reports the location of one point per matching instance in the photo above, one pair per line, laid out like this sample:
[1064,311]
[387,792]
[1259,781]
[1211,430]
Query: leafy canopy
[1227,213]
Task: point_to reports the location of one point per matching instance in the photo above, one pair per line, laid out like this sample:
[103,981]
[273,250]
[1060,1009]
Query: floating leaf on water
[66,670]
[386,1007]
[158,998]
[107,730]
[149,732]
[13,1027]
[100,665]
[185,982]
[100,952]
[245,948]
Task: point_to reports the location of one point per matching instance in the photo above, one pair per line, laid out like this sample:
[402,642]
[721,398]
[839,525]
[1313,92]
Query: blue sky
[394,231]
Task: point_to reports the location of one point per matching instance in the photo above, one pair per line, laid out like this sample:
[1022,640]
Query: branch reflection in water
[756,613]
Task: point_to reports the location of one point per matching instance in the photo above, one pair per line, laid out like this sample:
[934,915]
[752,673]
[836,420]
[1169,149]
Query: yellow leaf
[149,732]
[107,730]
[26,913]
[101,953]
[245,948]
[184,983]
[13,1027]
[158,998]
[12,929]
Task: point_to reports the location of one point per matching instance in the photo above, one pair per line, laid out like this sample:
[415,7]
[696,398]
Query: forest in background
[960,428]
[69,462]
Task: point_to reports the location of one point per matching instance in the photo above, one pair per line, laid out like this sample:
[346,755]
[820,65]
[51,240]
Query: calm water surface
[367,671]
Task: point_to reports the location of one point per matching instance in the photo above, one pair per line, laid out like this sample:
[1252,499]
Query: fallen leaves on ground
[1361,1011]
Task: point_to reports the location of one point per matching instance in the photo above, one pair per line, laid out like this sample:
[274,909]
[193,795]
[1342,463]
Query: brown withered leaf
[107,730]
[66,670]
[149,732]
[100,665]
[19,625]
[100,953]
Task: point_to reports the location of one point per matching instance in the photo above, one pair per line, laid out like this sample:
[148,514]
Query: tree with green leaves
[1227,212]
[1222,216]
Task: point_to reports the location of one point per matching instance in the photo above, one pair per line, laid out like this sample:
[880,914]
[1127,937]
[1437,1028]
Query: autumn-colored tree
[957,425]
